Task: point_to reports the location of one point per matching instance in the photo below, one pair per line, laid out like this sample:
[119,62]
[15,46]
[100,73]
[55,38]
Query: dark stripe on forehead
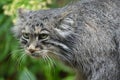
[37,24]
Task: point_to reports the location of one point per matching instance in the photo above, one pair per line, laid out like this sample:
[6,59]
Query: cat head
[45,32]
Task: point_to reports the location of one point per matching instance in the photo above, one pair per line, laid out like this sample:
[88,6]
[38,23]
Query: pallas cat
[84,35]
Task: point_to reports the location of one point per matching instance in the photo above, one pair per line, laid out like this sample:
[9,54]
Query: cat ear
[66,24]
[62,15]
[22,13]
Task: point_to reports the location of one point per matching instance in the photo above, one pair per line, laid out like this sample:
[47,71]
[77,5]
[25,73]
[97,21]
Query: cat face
[34,39]
[43,33]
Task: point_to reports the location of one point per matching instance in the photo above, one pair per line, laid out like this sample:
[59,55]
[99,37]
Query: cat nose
[31,50]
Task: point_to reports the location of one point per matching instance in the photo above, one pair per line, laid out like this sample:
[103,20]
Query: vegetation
[14,65]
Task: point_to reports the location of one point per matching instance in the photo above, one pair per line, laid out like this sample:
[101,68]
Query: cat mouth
[35,55]
[38,54]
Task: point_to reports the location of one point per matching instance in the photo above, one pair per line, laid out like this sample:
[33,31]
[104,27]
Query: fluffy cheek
[52,48]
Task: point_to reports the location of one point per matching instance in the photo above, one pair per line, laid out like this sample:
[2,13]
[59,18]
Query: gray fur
[85,36]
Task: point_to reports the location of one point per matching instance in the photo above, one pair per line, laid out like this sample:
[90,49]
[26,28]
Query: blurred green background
[13,66]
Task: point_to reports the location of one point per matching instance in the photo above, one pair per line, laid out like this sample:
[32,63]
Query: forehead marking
[37,29]
[26,30]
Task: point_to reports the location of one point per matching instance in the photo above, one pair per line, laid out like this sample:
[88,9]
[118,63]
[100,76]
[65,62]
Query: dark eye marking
[23,41]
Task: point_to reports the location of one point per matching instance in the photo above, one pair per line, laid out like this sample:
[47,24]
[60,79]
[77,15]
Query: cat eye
[26,35]
[43,36]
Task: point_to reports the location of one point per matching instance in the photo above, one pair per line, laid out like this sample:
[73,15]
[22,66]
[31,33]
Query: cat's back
[99,12]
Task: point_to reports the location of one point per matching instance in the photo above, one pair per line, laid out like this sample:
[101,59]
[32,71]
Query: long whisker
[48,61]
[15,51]
[52,64]
[20,60]
[44,58]
[14,54]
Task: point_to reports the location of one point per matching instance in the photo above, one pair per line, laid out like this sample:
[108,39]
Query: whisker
[52,62]
[16,51]
[48,62]
[19,60]
[44,58]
